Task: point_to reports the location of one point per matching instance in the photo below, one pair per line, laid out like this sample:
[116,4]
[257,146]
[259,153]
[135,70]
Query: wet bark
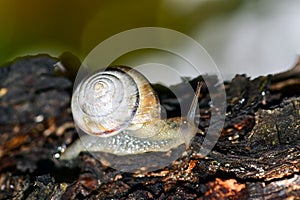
[256,157]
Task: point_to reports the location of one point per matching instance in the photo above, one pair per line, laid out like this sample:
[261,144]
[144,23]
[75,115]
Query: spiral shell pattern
[110,101]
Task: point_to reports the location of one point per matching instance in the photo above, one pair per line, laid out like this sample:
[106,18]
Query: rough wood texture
[256,157]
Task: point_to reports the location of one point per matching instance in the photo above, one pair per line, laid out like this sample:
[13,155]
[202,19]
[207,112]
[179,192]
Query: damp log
[256,157]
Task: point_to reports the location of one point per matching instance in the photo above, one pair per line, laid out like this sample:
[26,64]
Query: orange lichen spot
[15,142]
[224,188]
[192,164]
[239,127]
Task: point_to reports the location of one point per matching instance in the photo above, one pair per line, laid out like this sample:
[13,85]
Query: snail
[118,112]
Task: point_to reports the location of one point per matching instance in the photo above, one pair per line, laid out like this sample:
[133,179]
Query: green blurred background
[241,36]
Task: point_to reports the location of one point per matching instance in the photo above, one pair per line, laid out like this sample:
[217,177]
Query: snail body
[125,119]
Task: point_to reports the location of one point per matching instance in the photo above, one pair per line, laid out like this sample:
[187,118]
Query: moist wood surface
[256,157]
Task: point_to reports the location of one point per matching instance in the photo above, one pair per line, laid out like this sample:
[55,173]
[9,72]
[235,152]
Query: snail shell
[110,101]
[120,107]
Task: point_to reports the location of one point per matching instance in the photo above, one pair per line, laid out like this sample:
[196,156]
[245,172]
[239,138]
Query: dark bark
[256,157]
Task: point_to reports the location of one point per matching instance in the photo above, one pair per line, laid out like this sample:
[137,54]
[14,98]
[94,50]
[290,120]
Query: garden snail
[120,112]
